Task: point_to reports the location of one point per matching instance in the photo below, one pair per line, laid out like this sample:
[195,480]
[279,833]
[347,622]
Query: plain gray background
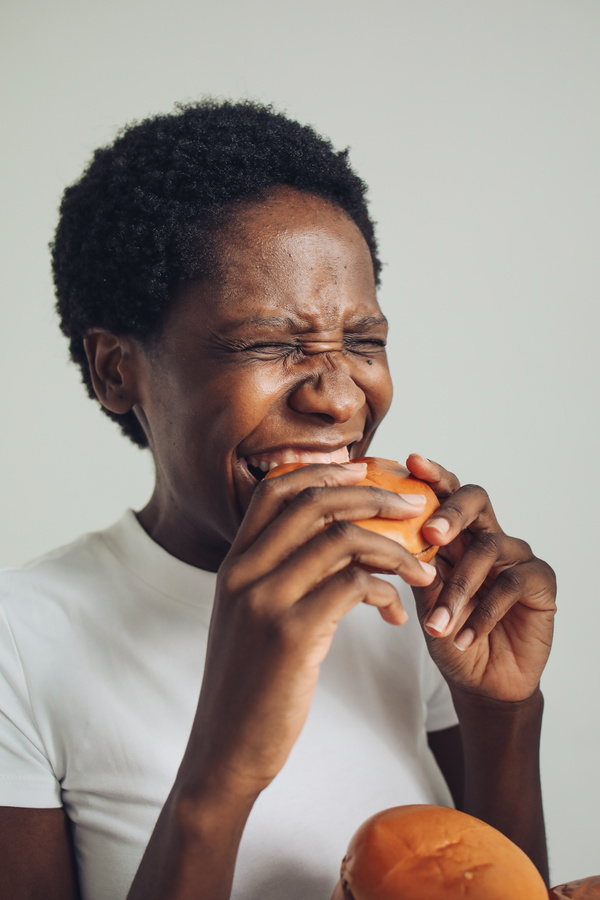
[477,126]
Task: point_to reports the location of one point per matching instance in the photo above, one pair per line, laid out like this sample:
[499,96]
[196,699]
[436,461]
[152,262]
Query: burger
[385,473]
[426,852]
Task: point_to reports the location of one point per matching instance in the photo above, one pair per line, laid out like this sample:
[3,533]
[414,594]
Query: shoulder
[56,580]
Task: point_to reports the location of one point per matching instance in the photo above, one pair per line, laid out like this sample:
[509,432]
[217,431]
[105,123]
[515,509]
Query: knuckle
[488,611]
[341,530]
[456,589]
[476,497]
[454,481]
[228,580]
[453,508]
[275,487]
[352,576]
[253,598]
[361,580]
[548,574]
[523,548]
[309,496]
[375,493]
[485,544]
[354,581]
[232,580]
[475,490]
[511,581]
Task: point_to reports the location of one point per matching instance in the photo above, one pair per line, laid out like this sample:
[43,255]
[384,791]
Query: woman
[216,275]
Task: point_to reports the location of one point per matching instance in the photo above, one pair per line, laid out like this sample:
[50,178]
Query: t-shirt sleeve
[440,712]
[26,776]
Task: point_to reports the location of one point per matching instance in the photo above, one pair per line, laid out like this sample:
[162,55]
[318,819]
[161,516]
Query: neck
[182,538]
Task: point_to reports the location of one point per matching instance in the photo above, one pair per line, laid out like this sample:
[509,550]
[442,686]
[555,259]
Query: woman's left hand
[488,615]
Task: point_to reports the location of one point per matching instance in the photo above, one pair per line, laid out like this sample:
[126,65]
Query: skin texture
[286,349]
[36,855]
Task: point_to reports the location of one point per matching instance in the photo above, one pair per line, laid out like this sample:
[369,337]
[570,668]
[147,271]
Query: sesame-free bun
[433,853]
[582,889]
[385,473]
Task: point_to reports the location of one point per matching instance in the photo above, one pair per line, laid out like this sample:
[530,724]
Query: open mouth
[261,463]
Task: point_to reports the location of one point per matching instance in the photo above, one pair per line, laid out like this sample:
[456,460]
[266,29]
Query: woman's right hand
[294,570]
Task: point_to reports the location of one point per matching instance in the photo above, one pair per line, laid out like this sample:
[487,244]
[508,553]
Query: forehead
[295,256]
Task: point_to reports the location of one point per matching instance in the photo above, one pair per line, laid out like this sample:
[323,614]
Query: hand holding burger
[390,475]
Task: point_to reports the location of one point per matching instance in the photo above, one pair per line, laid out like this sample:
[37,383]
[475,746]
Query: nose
[328,391]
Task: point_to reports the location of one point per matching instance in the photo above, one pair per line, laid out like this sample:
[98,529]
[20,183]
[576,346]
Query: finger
[348,588]
[341,545]
[469,507]
[484,553]
[316,508]
[272,496]
[443,482]
[530,585]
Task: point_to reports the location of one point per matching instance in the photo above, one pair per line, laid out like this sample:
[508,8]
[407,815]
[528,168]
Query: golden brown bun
[386,473]
[582,889]
[434,853]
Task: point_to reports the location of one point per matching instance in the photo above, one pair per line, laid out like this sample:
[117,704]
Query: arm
[488,620]
[502,773]
[501,759]
[285,585]
[36,856]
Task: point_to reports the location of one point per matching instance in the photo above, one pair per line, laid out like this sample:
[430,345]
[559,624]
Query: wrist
[500,740]
[501,746]
[470,705]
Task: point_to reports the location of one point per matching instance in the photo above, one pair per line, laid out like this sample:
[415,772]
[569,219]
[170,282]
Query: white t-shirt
[102,647]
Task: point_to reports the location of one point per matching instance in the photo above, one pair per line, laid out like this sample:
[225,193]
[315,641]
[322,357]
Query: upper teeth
[262,464]
[267,461]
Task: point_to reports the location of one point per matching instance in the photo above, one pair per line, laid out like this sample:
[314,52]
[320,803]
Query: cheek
[377,385]
[248,398]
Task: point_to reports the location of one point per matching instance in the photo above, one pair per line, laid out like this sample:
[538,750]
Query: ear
[112,361]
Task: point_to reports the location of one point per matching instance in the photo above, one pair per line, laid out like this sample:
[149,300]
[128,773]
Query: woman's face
[279,357]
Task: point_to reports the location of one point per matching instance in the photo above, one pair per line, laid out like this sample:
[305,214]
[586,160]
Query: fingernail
[355,466]
[464,639]
[439,619]
[429,570]
[413,499]
[441,525]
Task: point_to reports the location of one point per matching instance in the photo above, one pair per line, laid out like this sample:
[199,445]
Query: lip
[295,451]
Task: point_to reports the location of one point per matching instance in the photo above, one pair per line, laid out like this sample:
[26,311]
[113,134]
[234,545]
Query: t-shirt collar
[142,556]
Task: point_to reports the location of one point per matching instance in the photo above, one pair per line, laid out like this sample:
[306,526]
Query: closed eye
[275,350]
[364,344]
[276,345]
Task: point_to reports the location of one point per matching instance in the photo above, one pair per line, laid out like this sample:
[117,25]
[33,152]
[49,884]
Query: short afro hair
[143,216]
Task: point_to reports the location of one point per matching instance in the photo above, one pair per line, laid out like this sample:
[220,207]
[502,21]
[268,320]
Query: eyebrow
[286,323]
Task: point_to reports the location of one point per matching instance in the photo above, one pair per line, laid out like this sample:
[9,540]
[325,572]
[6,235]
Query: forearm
[502,776]
[193,849]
